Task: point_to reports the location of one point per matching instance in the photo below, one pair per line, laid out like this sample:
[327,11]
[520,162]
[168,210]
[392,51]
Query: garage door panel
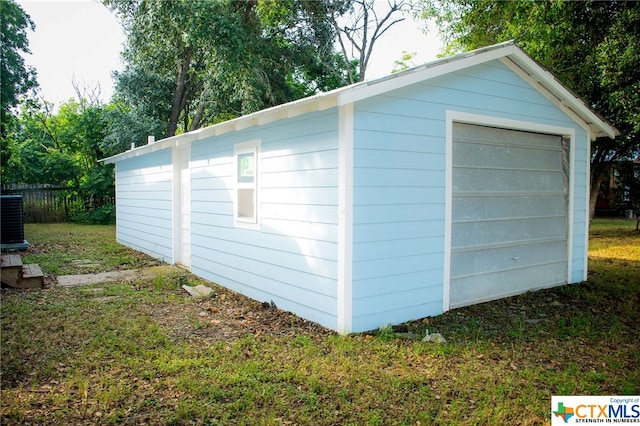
[512,181]
[499,156]
[485,259]
[509,226]
[503,137]
[496,207]
[508,231]
[474,289]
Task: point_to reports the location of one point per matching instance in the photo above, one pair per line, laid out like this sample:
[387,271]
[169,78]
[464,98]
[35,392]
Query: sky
[81,41]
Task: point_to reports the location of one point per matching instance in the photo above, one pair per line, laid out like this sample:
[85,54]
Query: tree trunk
[593,198]
[598,174]
[179,97]
[195,124]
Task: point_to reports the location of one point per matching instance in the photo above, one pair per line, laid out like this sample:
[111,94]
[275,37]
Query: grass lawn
[121,353]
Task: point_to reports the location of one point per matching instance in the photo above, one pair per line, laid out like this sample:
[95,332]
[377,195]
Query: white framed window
[245,208]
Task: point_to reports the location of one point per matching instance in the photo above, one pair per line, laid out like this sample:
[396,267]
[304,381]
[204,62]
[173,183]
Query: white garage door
[509,229]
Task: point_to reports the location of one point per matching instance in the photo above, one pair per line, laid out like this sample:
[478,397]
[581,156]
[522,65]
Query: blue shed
[456,182]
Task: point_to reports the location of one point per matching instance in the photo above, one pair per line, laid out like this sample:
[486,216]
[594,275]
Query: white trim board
[252,146]
[588,210]
[418,74]
[181,187]
[345,220]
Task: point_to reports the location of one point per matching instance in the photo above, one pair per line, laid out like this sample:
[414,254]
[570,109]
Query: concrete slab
[113,276]
[102,277]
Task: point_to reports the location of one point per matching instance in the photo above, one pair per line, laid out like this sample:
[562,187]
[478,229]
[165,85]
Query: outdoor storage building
[456,182]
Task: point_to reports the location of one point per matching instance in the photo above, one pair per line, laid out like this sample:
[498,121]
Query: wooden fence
[46,203]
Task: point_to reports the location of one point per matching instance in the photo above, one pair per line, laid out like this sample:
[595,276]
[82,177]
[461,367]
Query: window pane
[246,207]
[246,167]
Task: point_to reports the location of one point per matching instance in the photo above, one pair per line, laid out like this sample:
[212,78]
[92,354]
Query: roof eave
[560,95]
[508,52]
[314,103]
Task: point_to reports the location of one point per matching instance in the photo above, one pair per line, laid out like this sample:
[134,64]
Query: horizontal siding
[295,272]
[398,214]
[401,230]
[404,311]
[292,259]
[394,268]
[399,173]
[143,204]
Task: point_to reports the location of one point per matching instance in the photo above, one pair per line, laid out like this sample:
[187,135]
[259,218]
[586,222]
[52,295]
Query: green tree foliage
[189,64]
[127,124]
[62,150]
[405,62]
[16,79]
[592,47]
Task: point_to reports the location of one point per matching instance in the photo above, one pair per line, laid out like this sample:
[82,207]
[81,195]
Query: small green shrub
[103,215]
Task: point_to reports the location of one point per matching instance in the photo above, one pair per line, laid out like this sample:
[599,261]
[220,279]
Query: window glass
[246,167]
[246,203]
[246,182]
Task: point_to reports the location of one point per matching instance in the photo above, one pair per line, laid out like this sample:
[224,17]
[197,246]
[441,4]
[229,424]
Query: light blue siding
[144,206]
[398,237]
[398,214]
[292,259]
[580,214]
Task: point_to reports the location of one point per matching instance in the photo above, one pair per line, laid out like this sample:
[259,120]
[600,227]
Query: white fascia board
[424,72]
[141,150]
[292,109]
[541,79]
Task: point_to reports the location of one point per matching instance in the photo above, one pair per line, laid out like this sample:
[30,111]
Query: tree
[359,24]
[43,154]
[16,79]
[190,64]
[127,124]
[62,150]
[592,47]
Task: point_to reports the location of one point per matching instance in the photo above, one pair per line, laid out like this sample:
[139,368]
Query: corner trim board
[345,219]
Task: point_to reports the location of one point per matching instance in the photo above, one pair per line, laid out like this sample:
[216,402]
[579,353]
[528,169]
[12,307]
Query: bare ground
[229,316]
[226,316]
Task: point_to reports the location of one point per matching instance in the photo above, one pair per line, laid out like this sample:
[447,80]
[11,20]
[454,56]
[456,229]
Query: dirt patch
[228,316]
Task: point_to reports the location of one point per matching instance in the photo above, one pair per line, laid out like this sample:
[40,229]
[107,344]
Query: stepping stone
[103,277]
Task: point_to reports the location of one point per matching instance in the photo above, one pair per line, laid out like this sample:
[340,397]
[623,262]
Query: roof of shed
[508,53]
